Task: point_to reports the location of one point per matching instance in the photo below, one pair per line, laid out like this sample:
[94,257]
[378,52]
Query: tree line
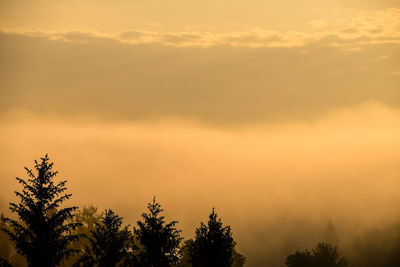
[44,234]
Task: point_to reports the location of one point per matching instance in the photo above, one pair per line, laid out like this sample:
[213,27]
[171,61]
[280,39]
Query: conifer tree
[238,260]
[43,232]
[160,240]
[109,243]
[213,244]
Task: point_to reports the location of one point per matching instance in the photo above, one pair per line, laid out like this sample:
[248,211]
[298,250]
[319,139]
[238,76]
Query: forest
[42,232]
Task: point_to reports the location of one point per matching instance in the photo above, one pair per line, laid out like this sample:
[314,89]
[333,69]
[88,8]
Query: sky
[283,115]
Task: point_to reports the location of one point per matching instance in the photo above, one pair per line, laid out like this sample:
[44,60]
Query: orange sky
[276,110]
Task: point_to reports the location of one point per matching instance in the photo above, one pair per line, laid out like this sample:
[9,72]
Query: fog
[277,184]
[283,115]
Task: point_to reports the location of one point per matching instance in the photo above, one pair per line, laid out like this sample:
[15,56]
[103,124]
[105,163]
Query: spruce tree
[213,244]
[159,240]
[109,243]
[42,233]
[238,260]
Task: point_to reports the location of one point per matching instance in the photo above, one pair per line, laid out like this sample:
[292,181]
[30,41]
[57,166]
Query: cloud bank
[75,73]
[370,27]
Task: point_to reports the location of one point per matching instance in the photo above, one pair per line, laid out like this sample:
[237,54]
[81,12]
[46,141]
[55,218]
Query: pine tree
[160,240]
[213,244]
[238,260]
[109,243]
[43,232]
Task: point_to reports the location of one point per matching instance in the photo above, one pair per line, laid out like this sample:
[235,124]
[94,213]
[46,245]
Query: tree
[328,256]
[160,240]
[238,260]
[184,261]
[43,232]
[323,255]
[108,242]
[300,259]
[213,244]
[87,217]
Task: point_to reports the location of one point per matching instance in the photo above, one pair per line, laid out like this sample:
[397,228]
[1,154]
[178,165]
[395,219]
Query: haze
[284,116]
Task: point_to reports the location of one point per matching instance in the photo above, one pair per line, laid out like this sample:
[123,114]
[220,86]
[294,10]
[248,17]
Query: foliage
[43,232]
[108,242]
[238,260]
[160,240]
[300,259]
[213,244]
[185,257]
[323,255]
[87,217]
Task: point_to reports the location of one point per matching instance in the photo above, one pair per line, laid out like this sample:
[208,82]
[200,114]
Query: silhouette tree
[300,259]
[159,240]
[213,244]
[43,232]
[323,255]
[327,255]
[238,260]
[109,243]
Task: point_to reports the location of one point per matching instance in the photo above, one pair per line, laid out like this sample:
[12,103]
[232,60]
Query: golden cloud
[372,27]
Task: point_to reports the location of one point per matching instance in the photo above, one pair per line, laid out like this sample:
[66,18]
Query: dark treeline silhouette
[46,235]
[42,233]
[323,255]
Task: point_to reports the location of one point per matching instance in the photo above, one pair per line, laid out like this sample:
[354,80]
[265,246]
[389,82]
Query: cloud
[181,38]
[221,85]
[367,28]
[127,35]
